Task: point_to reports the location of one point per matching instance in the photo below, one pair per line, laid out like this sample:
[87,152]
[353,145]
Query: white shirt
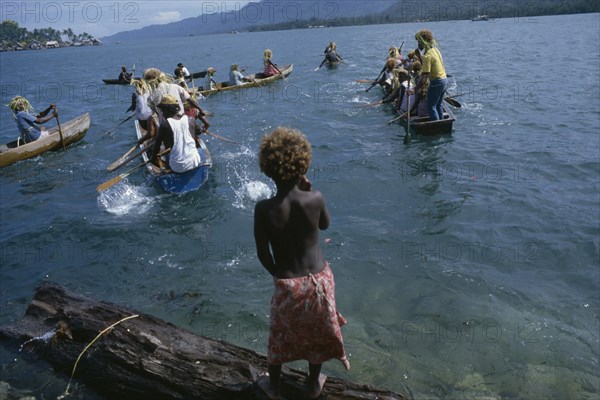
[142,109]
[406,98]
[183,155]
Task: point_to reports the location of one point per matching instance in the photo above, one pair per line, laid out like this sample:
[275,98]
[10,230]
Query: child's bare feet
[264,383]
[315,386]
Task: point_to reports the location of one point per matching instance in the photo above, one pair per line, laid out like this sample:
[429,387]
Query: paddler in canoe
[174,133]
[28,123]
[331,56]
[270,68]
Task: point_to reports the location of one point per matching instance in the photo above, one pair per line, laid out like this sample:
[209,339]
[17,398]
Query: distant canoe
[72,131]
[481,18]
[224,86]
[116,81]
[172,182]
[424,126]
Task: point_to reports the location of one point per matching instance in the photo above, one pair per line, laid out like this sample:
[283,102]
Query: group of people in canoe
[415,84]
[305,323]
[236,76]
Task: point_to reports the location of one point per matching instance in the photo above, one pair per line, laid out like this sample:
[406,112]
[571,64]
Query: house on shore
[52,44]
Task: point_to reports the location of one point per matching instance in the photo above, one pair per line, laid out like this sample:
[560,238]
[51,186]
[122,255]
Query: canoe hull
[73,131]
[180,183]
[423,126]
[224,86]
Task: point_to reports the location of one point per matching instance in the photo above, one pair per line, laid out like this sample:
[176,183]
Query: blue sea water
[466,265]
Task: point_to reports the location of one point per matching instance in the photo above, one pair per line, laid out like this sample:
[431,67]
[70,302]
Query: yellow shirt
[434,64]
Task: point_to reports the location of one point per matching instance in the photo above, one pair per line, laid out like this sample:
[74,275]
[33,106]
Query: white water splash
[124,199]
[250,192]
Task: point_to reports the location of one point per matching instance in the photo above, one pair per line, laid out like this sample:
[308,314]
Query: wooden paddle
[111,130]
[62,139]
[119,178]
[365,81]
[407,136]
[126,158]
[221,137]
[450,100]
[397,118]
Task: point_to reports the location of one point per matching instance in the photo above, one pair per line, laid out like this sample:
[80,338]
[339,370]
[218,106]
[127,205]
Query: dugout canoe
[424,126]
[72,131]
[254,82]
[185,182]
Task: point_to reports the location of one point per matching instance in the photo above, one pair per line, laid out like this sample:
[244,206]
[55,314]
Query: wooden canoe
[72,131]
[224,86]
[116,81]
[172,182]
[423,126]
[332,64]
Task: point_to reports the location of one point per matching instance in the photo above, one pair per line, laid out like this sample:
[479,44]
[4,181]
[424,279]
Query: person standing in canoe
[174,133]
[27,120]
[432,70]
[305,323]
[270,69]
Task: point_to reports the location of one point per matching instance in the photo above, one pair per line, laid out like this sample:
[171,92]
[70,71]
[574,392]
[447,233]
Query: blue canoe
[179,183]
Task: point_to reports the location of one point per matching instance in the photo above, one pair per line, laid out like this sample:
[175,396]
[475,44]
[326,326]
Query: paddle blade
[452,102]
[110,183]
[407,137]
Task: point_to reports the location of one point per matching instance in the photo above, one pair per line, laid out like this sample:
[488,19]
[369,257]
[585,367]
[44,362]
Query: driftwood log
[147,358]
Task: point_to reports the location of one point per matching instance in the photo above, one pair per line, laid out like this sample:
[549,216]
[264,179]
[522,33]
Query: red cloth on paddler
[305,324]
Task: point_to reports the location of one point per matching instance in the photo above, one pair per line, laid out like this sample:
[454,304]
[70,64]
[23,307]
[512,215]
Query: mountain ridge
[265,12]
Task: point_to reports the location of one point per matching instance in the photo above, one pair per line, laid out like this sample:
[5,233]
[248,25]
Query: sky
[106,17]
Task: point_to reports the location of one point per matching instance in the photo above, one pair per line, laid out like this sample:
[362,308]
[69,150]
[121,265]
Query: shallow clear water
[466,265]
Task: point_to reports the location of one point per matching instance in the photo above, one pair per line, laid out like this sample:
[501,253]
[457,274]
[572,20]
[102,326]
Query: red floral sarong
[305,324]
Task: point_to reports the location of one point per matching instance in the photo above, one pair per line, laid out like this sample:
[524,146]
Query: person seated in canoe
[420,107]
[270,69]
[236,78]
[180,75]
[331,55]
[27,120]
[394,53]
[174,133]
[194,116]
[408,60]
[388,75]
[125,76]
[331,46]
[304,321]
[209,82]
[161,84]
[141,108]
[182,71]
[402,91]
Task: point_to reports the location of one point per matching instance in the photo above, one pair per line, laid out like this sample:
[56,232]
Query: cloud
[164,17]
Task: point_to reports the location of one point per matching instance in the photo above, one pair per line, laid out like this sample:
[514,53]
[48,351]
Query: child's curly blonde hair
[285,154]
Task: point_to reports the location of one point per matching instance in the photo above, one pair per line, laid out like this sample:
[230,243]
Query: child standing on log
[305,324]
